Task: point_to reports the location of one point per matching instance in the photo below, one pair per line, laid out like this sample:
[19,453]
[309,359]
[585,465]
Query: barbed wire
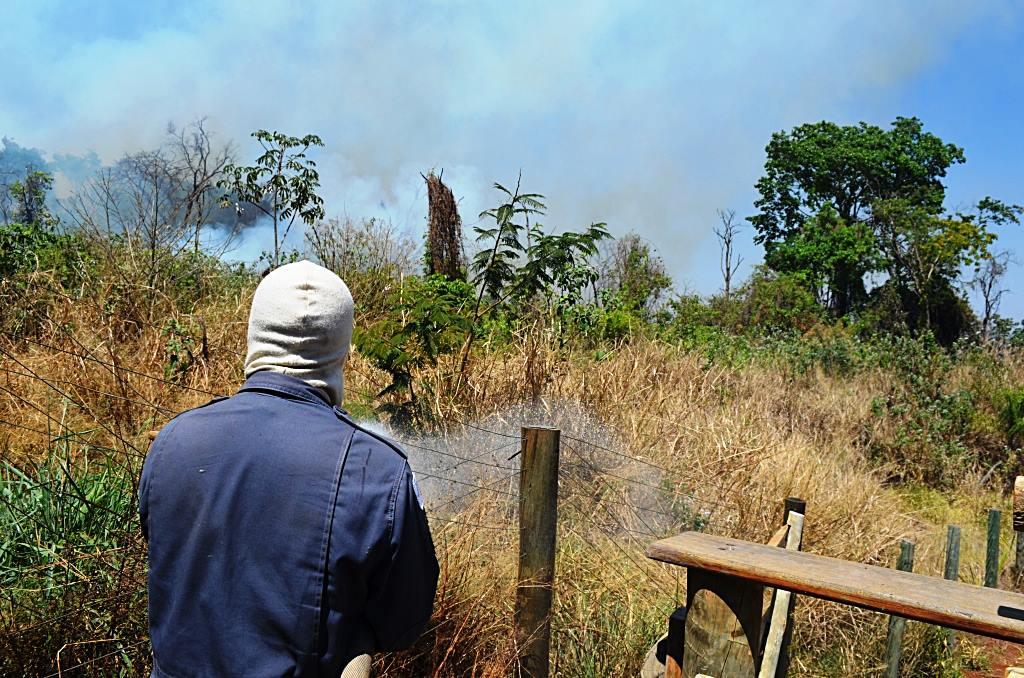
[618,453]
[92,389]
[51,620]
[54,439]
[501,528]
[679,493]
[100,361]
[463,460]
[487,486]
[672,475]
[604,560]
[96,659]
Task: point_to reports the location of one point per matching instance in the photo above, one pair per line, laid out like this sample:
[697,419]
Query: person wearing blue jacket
[284,539]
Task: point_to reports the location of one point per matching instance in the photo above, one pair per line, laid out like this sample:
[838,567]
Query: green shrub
[431,317]
[71,562]
[1011,416]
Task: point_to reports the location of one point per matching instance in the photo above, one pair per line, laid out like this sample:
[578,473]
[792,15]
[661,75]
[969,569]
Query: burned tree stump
[444,234]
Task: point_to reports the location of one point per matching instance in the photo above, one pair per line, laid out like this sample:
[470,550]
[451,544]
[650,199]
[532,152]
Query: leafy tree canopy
[283,183]
[839,202]
[847,169]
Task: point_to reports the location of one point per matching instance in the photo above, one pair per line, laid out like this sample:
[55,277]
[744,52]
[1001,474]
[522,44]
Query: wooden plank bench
[737,572]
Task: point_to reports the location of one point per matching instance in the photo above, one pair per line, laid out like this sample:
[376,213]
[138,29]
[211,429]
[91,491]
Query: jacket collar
[285,385]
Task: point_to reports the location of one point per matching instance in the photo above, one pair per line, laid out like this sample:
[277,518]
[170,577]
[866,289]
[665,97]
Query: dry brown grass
[735,440]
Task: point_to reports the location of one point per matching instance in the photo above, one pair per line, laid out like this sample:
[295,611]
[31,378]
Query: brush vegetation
[678,412]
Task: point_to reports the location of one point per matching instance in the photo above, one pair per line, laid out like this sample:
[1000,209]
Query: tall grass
[70,564]
[723,437]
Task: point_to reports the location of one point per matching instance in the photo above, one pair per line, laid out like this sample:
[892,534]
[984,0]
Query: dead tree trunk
[444,234]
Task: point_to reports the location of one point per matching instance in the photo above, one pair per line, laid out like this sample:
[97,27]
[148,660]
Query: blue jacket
[284,539]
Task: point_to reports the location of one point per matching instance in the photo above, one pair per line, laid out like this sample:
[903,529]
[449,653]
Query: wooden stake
[1018,528]
[538,513]
[952,573]
[797,505]
[995,518]
[897,625]
[780,611]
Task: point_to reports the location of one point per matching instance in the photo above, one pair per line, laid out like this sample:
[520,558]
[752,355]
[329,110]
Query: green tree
[431,318]
[824,172]
[519,260]
[636,276]
[282,184]
[826,252]
[924,255]
[28,197]
[28,227]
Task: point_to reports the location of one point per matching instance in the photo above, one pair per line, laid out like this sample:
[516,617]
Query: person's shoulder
[185,415]
[367,435]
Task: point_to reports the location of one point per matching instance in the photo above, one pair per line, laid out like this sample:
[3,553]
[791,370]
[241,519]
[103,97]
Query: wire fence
[619,499]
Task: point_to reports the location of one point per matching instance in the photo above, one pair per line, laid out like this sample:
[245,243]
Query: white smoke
[645,115]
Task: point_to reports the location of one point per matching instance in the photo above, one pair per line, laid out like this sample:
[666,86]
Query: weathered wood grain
[778,623]
[987,612]
[723,625]
[538,511]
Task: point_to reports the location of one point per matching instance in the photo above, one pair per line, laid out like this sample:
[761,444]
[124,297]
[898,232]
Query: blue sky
[647,115]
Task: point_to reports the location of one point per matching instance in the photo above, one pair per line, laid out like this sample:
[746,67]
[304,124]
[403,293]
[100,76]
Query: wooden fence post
[995,519]
[1018,529]
[796,505]
[538,512]
[779,616]
[894,641]
[952,573]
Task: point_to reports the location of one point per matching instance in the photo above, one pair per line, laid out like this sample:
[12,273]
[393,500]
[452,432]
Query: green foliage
[610,321]
[30,244]
[846,169]
[23,247]
[27,232]
[778,302]
[520,261]
[839,202]
[932,424]
[28,198]
[51,507]
[923,253]
[1011,416]
[431,318]
[636,276]
[282,184]
[69,561]
[494,267]
[180,349]
[825,248]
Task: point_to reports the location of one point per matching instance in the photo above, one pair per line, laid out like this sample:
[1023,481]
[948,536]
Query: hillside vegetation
[893,411]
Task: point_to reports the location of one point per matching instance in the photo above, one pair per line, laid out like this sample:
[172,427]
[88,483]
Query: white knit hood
[300,325]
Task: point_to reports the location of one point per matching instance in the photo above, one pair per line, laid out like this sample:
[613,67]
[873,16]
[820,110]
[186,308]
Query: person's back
[283,538]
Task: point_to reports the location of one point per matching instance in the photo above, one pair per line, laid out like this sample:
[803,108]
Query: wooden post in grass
[1018,529]
[781,609]
[952,573]
[796,505]
[995,519]
[538,511]
[894,641]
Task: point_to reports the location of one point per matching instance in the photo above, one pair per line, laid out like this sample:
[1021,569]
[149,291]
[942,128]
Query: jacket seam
[325,545]
[393,500]
[285,389]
